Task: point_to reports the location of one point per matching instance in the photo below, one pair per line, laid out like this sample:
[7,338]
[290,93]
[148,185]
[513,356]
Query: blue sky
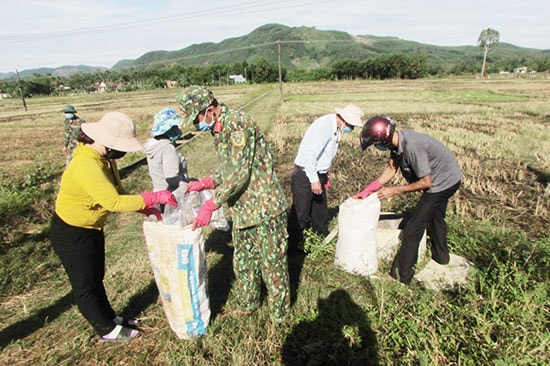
[38,33]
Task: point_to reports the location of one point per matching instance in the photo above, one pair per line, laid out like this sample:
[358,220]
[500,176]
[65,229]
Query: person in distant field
[71,130]
[247,182]
[167,166]
[90,189]
[309,181]
[428,166]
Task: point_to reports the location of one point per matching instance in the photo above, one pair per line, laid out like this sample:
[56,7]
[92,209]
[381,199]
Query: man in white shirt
[309,181]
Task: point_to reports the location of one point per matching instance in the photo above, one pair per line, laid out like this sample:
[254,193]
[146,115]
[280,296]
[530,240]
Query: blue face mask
[347,128]
[69,115]
[174,133]
[382,147]
[203,126]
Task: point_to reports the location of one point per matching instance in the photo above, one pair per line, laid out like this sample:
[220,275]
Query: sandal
[132,323]
[124,334]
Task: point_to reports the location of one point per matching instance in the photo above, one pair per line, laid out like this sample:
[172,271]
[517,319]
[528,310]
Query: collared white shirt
[318,147]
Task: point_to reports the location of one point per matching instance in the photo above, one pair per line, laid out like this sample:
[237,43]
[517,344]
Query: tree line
[391,66]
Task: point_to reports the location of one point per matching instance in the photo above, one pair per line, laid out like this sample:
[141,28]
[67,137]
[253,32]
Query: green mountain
[304,48]
[62,71]
[307,48]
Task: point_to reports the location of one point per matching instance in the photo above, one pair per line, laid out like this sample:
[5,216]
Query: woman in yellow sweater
[91,189]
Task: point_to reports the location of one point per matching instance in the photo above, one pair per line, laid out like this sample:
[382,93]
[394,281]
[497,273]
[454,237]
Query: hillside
[305,48]
[62,71]
[308,48]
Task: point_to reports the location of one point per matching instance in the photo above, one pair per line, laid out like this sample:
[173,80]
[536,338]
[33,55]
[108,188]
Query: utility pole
[280,70]
[21,90]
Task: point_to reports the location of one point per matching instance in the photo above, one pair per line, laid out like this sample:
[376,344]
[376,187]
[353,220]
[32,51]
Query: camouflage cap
[193,100]
[68,109]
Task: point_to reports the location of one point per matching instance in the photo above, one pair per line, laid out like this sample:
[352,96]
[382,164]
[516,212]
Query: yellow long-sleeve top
[91,189]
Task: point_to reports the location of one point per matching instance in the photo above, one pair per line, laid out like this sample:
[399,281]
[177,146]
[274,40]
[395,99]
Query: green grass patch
[498,220]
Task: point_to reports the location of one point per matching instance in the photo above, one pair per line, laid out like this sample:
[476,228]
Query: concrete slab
[389,235]
[437,277]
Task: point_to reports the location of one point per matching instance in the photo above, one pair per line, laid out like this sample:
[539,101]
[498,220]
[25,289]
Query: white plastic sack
[218,220]
[179,265]
[188,206]
[356,245]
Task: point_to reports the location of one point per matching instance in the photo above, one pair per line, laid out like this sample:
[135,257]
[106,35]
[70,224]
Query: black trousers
[306,207]
[82,253]
[429,215]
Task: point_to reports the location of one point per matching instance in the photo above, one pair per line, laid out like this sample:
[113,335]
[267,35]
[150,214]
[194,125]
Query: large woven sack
[356,245]
[179,266]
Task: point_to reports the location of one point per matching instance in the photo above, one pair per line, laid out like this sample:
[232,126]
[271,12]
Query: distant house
[520,70]
[171,84]
[237,79]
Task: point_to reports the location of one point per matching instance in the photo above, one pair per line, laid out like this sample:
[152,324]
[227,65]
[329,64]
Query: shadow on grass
[340,335]
[140,301]
[220,275]
[126,171]
[295,264]
[23,328]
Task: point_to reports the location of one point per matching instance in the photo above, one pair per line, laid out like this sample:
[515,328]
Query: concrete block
[438,277]
[389,234]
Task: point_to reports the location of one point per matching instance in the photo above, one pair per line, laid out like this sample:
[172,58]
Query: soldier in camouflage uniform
[72,129]
[246,181]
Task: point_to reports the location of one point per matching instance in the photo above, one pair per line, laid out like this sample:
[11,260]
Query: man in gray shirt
[428,166]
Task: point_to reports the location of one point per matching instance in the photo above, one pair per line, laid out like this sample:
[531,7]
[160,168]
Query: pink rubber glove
[152,211]
[199,185]
[373,187]
[160,197]
[327,185]
[205,214]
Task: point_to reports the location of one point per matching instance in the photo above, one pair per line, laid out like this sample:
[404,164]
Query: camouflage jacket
[245,178]
[72,128]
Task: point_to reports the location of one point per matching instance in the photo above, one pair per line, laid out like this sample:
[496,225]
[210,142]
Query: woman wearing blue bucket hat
[167,166]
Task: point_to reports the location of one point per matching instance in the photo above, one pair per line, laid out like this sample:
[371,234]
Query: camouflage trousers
[260,253]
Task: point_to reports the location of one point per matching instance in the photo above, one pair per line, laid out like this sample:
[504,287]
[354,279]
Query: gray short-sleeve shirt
[419,154]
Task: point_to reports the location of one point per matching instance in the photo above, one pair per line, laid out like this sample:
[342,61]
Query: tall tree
[488,39]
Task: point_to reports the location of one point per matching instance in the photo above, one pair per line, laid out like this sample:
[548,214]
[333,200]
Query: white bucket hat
[352,114]
[114,130]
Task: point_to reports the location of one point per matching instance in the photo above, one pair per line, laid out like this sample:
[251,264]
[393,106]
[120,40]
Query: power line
[245,8]
[182,58]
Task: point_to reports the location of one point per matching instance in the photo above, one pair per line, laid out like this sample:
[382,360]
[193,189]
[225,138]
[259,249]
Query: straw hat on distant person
[114,130]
